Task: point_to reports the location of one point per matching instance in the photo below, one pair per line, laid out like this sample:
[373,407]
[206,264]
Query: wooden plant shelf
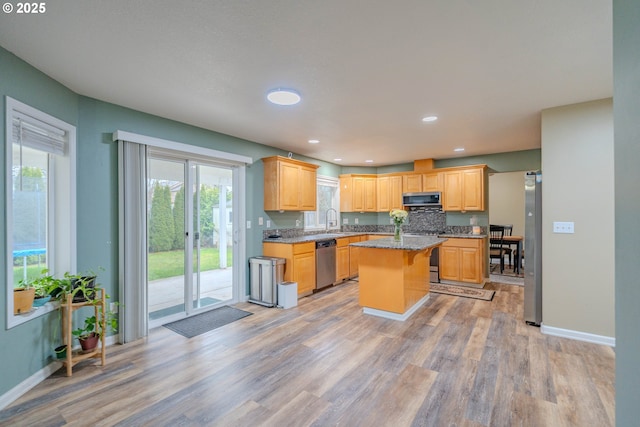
[76,356]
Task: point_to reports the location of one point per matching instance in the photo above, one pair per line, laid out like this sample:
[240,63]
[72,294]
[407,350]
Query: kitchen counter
[463,236]
[394,276]
[317,237]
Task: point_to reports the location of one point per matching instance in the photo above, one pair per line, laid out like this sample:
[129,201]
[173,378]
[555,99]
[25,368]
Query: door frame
[235,161]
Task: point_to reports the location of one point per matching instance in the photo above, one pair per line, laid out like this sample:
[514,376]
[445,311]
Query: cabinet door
[289,186]
[308,189]
[472,194]
[470,263]
[342,262]
[430,182]
[353,256]
[449,263]
[304,272]
[383,194]
[412,183]
[395,192]
[346,194]
[452,191]
[370,190]
[358,194]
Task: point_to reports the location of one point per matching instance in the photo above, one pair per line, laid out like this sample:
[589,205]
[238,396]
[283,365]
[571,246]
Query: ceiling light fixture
[337,160]
[460,149]
[314,141]
[283,97]
[368,161]
[430,119]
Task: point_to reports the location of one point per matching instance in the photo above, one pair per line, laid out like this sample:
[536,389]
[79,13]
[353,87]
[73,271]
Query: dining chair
[496,244]
[508,230]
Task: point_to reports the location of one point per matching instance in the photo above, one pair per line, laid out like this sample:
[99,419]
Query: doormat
[462,291]
[205,322]
[164,312]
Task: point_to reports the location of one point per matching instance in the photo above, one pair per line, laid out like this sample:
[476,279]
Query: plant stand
[73,357]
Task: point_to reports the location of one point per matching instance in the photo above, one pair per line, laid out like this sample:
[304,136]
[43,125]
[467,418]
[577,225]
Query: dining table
[517,241]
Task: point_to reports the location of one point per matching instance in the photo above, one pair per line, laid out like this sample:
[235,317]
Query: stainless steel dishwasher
[325,263]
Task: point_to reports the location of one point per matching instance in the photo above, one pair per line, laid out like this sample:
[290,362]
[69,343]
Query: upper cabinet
[289,185]
[412,183]
[389,193]
[463,189]
[358,193]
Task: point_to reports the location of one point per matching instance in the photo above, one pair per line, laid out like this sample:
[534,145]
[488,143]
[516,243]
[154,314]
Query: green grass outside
[161,264]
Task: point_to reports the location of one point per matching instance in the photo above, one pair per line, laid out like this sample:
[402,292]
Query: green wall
[97,193]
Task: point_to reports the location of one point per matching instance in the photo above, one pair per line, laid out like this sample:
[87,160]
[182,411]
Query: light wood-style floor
[456,362]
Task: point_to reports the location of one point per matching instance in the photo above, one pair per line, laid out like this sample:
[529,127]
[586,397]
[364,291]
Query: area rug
[462,291]
[205,322]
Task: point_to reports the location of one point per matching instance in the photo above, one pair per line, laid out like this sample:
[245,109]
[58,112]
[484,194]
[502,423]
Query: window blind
[32,133]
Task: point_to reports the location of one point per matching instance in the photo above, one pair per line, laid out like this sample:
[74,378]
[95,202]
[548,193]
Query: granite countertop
[408,243]
[313,237]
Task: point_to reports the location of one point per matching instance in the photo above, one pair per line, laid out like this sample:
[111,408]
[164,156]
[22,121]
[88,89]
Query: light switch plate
[345,221]
[268,223]
[563,227]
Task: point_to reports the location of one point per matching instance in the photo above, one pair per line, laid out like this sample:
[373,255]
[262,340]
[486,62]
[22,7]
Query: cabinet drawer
[300,248]
[342,242]
[463,243]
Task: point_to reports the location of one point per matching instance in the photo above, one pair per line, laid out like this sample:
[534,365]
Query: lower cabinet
[462,260]
[353,255]
[342,259]
[300,266]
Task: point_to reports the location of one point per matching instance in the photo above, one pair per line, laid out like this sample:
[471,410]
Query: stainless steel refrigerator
[533,248]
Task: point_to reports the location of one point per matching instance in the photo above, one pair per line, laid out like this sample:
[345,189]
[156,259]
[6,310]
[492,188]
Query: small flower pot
[61,352]
[39,302]
[23,300]
[90,342]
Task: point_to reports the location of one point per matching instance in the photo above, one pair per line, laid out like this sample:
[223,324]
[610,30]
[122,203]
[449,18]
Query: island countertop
[407,243]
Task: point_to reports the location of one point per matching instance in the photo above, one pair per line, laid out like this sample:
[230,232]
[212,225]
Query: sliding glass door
[190,236]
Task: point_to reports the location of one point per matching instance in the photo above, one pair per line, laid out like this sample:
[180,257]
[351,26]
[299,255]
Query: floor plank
[456,361]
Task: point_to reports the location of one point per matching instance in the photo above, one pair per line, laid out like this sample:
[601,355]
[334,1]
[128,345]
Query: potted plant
[44,285]
[81,286]
[23,296]
[89,334]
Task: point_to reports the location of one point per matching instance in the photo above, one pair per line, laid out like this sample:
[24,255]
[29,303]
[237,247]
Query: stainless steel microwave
[422,199]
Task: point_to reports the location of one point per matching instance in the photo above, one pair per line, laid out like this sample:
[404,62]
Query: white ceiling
[368,71]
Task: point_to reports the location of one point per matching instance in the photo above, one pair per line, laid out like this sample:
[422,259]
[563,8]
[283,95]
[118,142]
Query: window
[328,195]
[40,199]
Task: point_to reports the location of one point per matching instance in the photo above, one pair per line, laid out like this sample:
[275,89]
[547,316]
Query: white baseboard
[396,316]
[577,335]
[15,393]
[12,395]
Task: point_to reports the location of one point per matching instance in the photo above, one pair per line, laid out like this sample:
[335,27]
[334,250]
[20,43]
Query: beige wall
[506,200]
[578,186]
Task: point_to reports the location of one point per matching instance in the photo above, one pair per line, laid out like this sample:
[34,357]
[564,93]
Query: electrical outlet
[563,227]
[268,223]
[356,220]
[248,224]
[297,223]
[113,307]
[260,222]
[345,221]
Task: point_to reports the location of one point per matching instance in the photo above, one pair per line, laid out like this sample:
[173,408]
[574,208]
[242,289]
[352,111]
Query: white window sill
[18,319]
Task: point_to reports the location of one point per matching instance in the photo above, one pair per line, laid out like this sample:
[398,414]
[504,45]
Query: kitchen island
[394,276]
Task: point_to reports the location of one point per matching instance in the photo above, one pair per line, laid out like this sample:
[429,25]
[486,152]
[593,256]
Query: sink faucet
[328,223]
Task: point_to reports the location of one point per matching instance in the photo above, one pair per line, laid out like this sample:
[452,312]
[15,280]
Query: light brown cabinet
[358,193]
[353,255]
[462,260]
[389,192]
[412,183]
[289,185]
[300,263]
[342,259]
[431,181]
[463,189]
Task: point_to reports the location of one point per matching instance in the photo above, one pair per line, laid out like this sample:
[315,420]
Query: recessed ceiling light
[337,160]
[314,141]
[368,161]
[283,96]
[430,119]
[459,149]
